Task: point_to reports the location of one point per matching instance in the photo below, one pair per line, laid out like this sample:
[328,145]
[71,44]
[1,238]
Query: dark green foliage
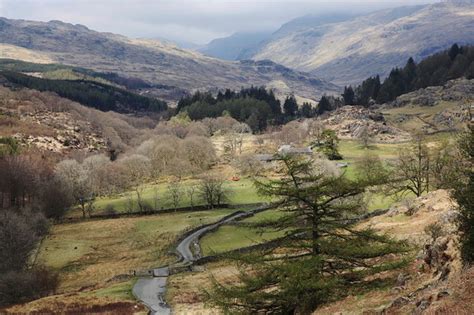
[324,105]
[306,111]
[93,94]
[328,144]
[432,71]
[454,51]
[464,194]
[290,106]
[8,146]
[392,87]
[23,66]
[368,90]
[348,95]
[326,258]
[255,106]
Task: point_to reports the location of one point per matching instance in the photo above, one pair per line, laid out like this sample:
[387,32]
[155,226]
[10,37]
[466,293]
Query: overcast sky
[197,21]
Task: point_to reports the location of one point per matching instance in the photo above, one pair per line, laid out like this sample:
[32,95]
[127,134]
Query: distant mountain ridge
[347,52]
[158,63]
[232,47]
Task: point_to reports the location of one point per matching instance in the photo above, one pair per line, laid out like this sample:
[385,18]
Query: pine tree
[454,51]
[324,105]
[409,73]
[306,110]
[348,95]
[290,106]
[323,255]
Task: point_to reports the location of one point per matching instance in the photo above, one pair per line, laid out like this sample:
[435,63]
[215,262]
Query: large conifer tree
[324,254]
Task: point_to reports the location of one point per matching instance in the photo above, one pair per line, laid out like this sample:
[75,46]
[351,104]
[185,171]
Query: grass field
[156,195]
[229,237]
[91,253]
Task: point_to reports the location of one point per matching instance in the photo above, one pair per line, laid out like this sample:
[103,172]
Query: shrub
[25,285]
[110,210]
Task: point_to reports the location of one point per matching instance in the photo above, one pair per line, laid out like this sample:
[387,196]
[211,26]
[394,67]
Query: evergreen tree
[454,51]
[409,73]
[392,87]
[329,145]
[290,106]
[306,110]
[464,195]
[323,255]
[324,105]
[368,90]
[348,95]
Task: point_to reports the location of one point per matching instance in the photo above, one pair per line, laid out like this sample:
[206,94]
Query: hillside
[434,109]
[347,52]
[46,122]
[232,47]
[158,63]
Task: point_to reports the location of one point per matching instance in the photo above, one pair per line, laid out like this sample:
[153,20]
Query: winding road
[151,289]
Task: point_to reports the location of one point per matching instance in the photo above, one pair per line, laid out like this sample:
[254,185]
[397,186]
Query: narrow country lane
[151,289]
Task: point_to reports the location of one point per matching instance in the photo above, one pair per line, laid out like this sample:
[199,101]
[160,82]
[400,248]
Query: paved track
[151,290]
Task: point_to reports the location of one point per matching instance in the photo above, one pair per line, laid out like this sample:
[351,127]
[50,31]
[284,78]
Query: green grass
[240,192]
[92,252]
[119,291]
[229,237]
[352,150]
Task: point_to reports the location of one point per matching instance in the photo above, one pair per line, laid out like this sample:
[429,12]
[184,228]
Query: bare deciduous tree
[175,192]
[74,176]
[212,191]
[412,170]
[191,191]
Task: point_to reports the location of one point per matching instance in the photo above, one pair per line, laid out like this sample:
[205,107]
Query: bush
[434,230]
[110,210]
[26,285]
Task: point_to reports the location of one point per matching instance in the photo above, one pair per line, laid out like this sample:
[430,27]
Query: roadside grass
[89,254]
[121,291]
[229,237]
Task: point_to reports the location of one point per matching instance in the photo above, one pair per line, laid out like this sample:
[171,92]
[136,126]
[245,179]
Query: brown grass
[77,304]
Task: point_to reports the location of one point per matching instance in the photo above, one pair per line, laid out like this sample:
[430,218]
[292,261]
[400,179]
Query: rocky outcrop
[438,261]
[434,109]
[350,122]
[461,90]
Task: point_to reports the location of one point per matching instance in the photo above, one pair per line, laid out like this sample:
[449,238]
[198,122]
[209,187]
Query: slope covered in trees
[93,94]
[435,70]
[255,106]
[65,72]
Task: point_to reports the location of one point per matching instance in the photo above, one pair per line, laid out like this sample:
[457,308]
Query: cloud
[185,20]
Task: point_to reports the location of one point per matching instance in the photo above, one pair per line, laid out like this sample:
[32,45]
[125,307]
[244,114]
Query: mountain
[311,20]
[347,52]
[243,45]
[162,65]
[232,47]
